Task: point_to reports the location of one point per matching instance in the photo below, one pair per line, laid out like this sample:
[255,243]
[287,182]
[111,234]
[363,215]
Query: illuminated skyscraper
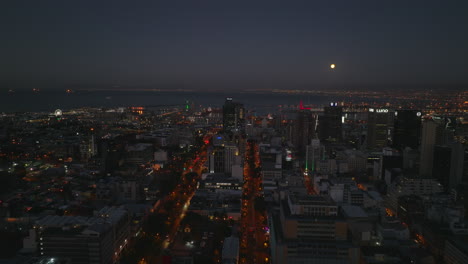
[304,130]
[231,157]
[407,129]
[330,124]
[432,134]
[441,164]
[379,128]
[447,166]
[310,229]
[216,160]
[233,115]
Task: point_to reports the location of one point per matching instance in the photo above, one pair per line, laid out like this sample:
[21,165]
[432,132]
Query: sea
[264,102]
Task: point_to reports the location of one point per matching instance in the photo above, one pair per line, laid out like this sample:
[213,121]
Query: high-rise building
[379,128]
[304,130]
[309,229]
[233,115]
[441,164]
[407,131]
[448,164]
[330,124]
[216,160]
[432,134]
[97,239]
[314,154]
[91,244]
[231,157]
[457,164]
[465,165]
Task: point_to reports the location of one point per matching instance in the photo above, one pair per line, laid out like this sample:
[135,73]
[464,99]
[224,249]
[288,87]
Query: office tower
[432,134]
[448,164]
[91,244]
[216,160]
[309,229]
[233,115]
[314,154]
[304,130]
[456,164]
[97,239]
[231,157]
[441,164]
[407,131]
[465,165]
[330,124]
[379,128]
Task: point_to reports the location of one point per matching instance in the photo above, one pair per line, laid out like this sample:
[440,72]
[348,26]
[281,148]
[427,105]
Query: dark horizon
[238,88]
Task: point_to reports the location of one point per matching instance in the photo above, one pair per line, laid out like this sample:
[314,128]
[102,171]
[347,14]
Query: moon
[332,66]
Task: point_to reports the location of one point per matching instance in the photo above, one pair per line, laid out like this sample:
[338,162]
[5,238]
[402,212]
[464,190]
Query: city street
[178,200]
[254,245]
[184,192]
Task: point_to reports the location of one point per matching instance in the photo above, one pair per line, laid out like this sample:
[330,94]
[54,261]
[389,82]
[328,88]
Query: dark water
[49,101]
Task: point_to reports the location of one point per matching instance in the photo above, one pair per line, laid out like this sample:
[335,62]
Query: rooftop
[311,200]
[139,147]
[231,248]
[352,211]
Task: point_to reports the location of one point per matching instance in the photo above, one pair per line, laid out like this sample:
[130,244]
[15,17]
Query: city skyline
[199,183]
[233,132]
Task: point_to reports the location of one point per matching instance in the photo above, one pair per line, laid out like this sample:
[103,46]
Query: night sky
[224,44]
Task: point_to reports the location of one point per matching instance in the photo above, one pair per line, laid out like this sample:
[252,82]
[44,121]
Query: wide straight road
[254,247]
[184,192]
[179,200]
